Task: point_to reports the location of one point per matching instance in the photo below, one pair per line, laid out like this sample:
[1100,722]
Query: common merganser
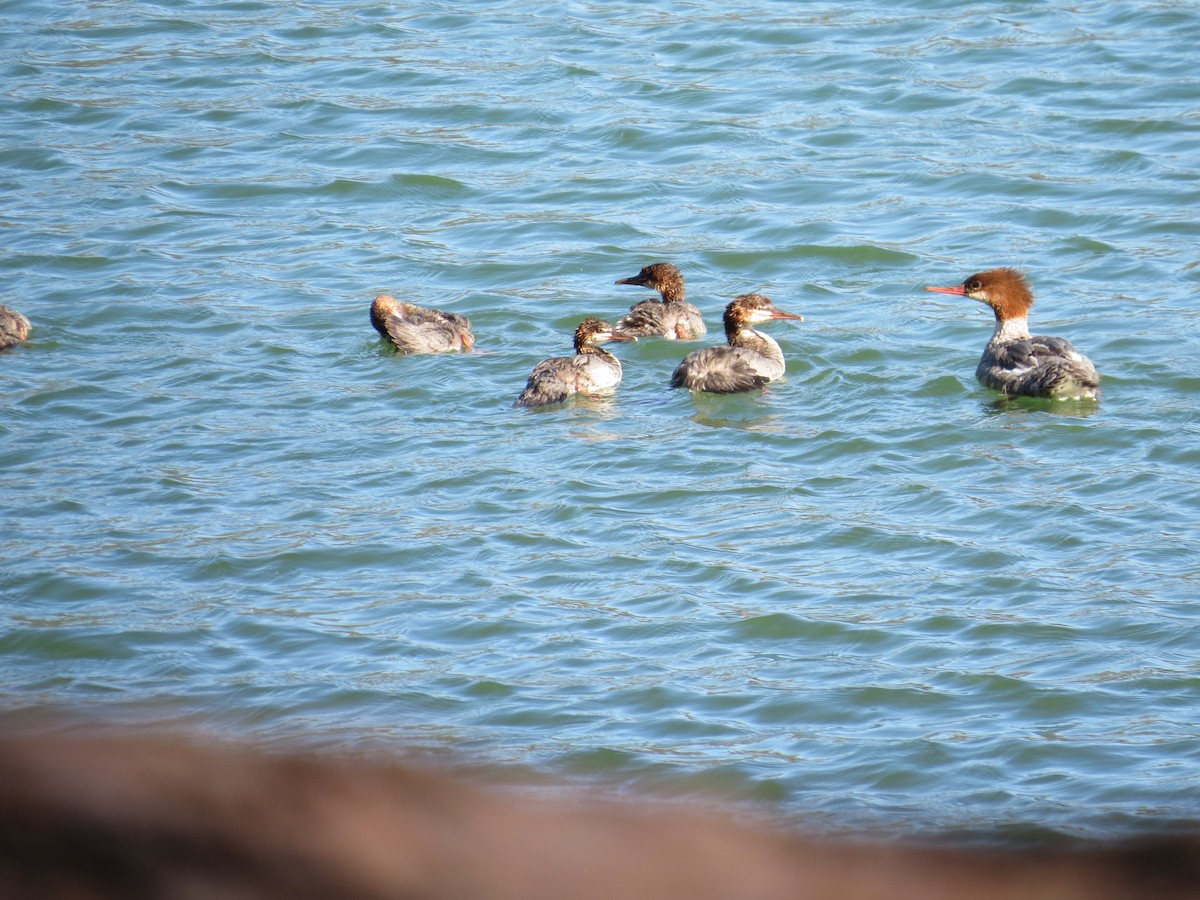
[751,359]
[14,327]
[1015,362]
[671,317]
[591,370]
[415,329]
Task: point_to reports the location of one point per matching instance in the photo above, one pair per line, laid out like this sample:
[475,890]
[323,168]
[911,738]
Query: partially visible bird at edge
[14,327]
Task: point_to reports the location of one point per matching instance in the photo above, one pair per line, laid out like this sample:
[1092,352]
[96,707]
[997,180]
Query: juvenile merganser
[14,328]
[415,329]
[672,317]
[752,358]
[1014,362]
[592,369]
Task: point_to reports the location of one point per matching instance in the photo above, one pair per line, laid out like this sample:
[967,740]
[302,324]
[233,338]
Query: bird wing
[1040,366]
[551,381]
[422,334]
[644,319]
[717,370]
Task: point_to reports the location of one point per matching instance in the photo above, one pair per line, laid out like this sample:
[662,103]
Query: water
[873,596]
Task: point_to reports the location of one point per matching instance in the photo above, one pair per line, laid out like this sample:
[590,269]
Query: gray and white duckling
[672,317]
[750,358]
[592,370]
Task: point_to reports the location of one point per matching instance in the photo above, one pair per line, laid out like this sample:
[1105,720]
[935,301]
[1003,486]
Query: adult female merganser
[1014,362]
[14,328]
[672,317]
[750,361]
[415,329]
[592,369]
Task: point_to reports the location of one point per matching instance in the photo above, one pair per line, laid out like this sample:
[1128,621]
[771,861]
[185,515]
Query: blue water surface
[874,595]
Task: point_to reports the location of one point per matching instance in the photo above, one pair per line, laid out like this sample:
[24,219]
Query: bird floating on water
[1015,362]
[415,329]
[750,360]
[590,371]
[14,328]
[672,317]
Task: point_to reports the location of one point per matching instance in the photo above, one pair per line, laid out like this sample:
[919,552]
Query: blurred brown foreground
[165,817]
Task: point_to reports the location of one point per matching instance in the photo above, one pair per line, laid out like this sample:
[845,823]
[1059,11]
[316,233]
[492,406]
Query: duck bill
[792,317]
[957,289]
[634,280]
[620,336]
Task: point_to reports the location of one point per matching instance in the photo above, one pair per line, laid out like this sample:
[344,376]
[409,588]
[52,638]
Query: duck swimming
[415,329]
[671,317]
[14,328]
[591,370]
[751,359]
[1015,362]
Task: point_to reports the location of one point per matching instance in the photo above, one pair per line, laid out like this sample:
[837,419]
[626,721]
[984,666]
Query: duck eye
[973,285]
